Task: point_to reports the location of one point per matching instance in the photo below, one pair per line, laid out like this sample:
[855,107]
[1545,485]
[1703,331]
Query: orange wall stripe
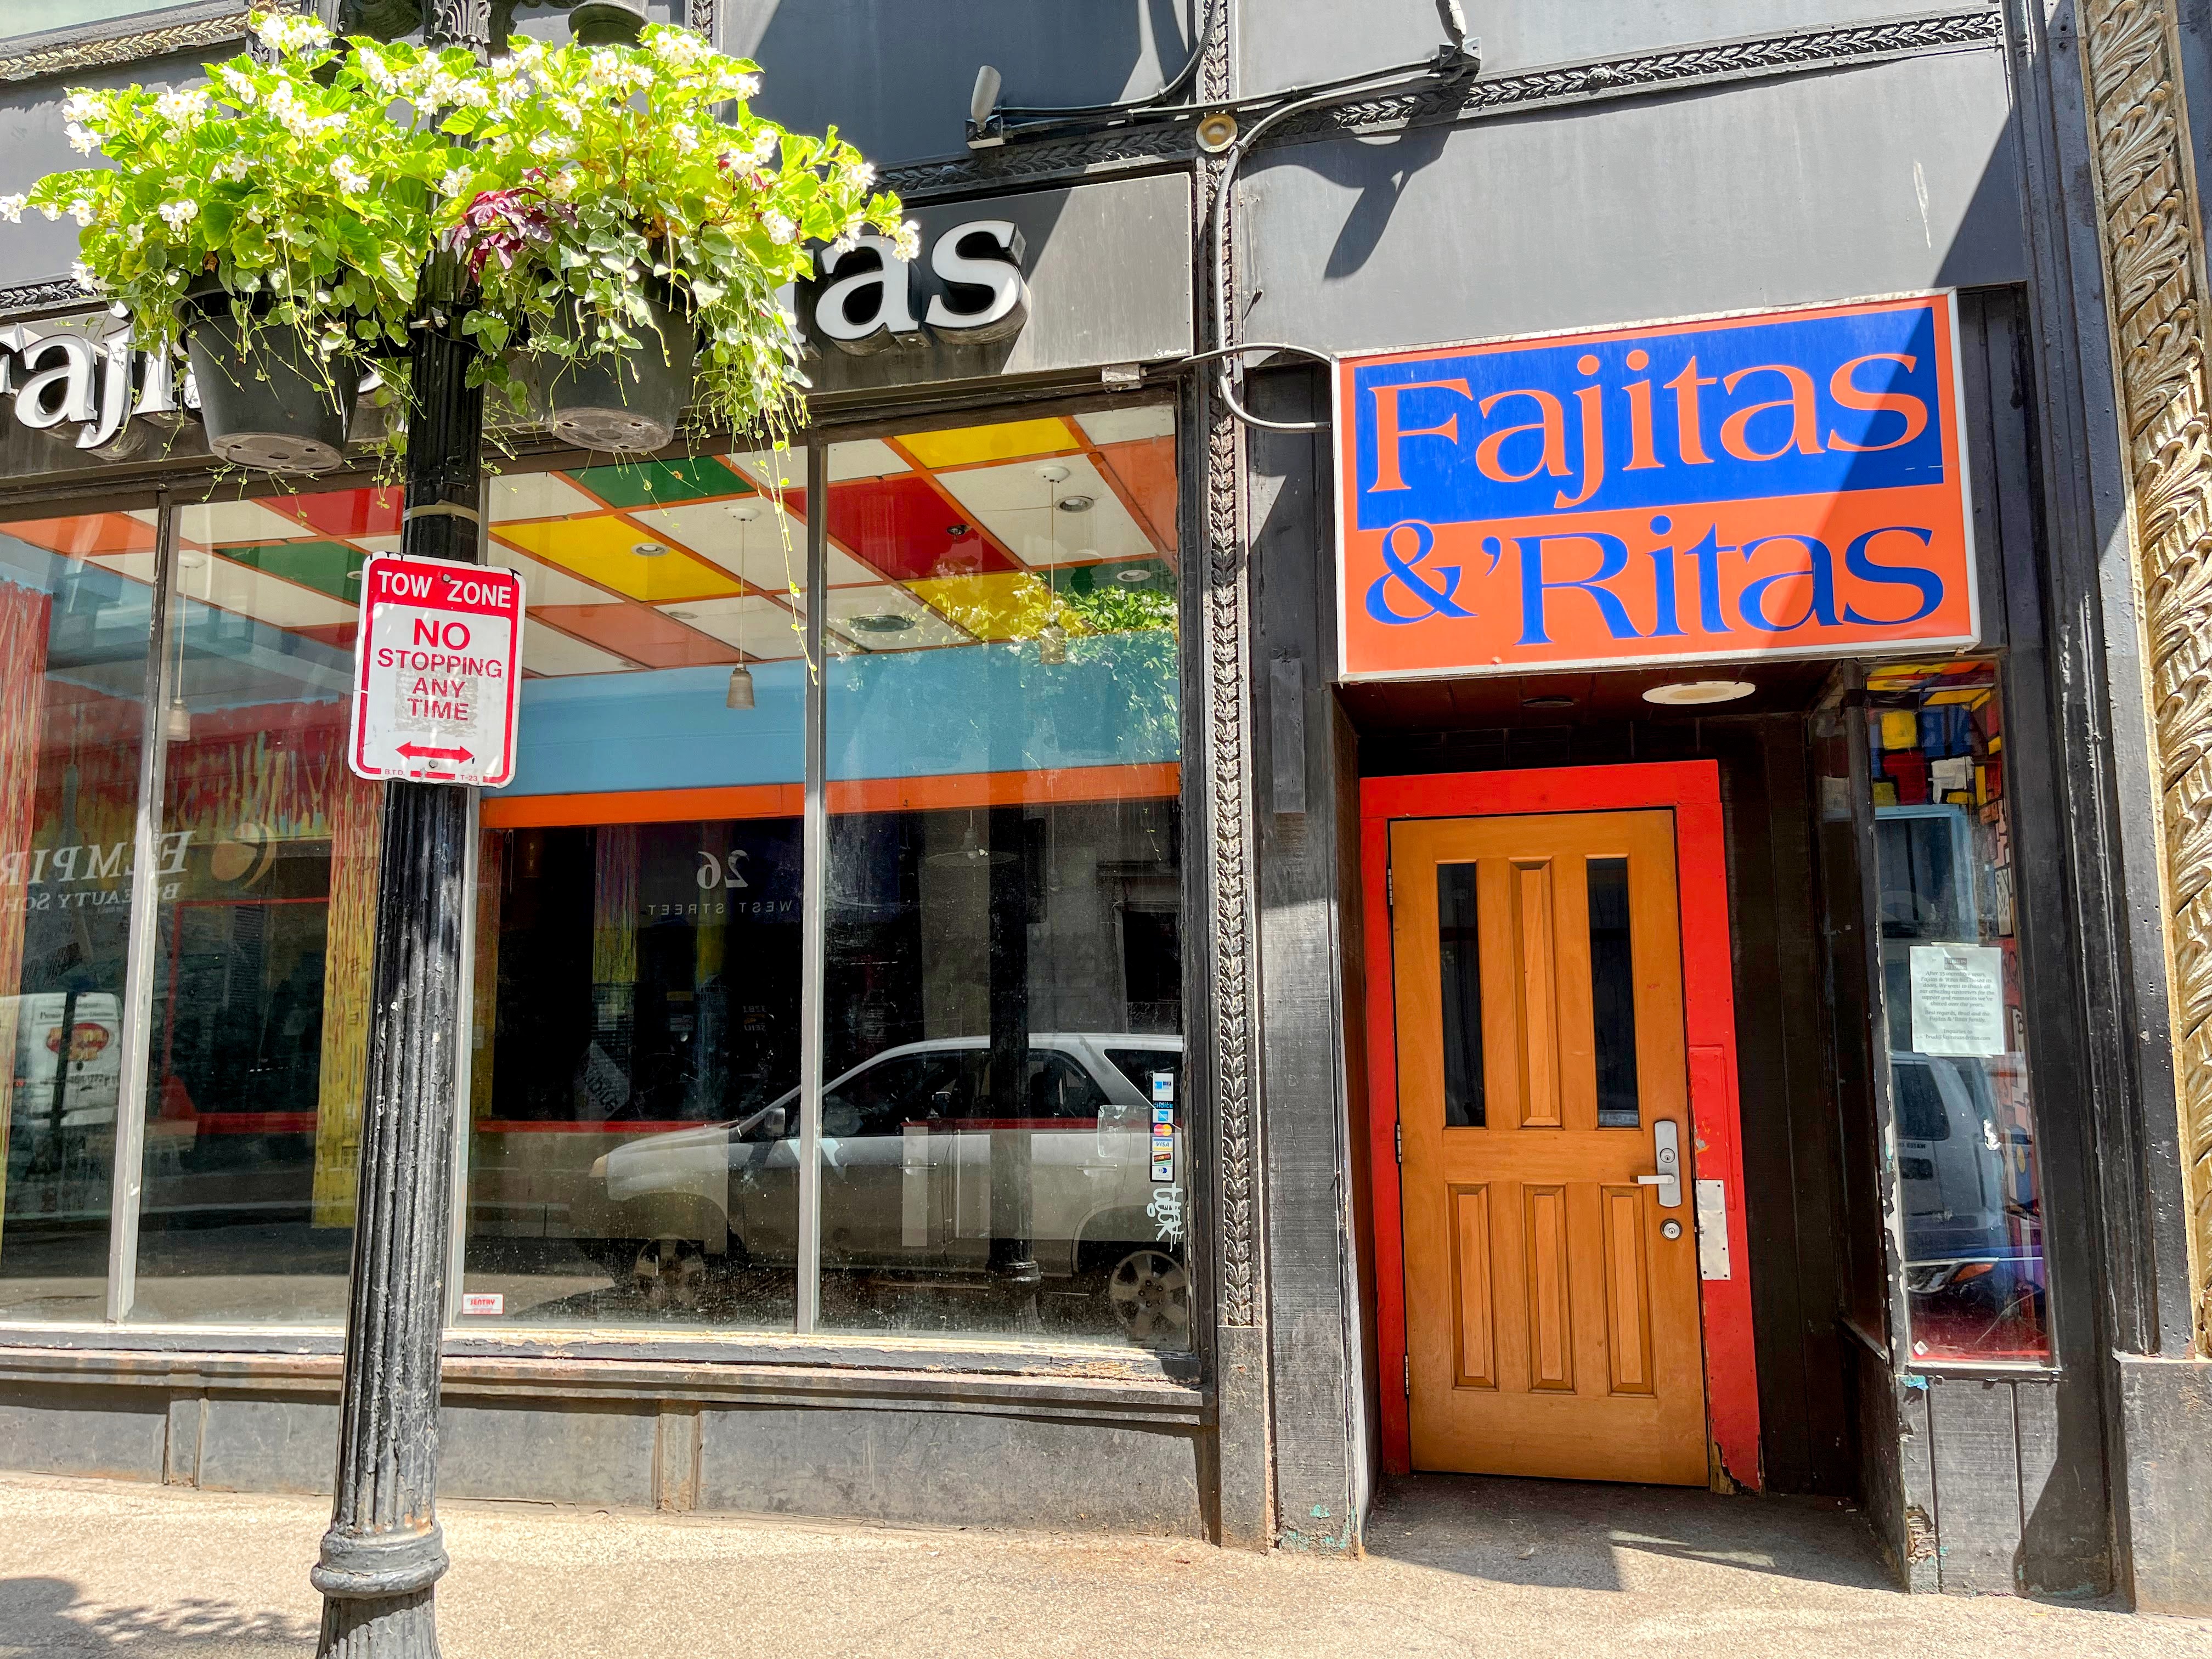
[1067,785]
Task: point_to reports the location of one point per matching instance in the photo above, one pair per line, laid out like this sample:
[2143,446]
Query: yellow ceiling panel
[1010,606]
[604,548]
[970,445]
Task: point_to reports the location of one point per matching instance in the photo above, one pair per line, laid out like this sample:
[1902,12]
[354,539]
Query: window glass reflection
[258,1043]
[1003,1122]
[76,616]
[1962,1109]
[633,1056]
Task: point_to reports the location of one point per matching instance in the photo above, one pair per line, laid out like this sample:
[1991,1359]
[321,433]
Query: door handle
[1667,1150]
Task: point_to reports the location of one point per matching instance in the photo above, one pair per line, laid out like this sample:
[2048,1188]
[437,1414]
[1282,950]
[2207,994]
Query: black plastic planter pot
[268,399]
[627,403]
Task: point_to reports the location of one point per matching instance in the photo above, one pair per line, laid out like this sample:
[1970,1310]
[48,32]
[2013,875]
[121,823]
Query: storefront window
[1962,1116]
[1003,1114]
[259,1036]
[634,1056]
[75,615]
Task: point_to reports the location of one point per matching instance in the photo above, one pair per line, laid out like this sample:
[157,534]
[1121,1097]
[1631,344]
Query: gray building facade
[1165,837]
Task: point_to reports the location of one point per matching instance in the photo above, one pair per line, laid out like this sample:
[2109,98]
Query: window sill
[878,1373]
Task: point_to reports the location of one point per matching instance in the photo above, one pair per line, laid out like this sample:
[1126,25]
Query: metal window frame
[144,947]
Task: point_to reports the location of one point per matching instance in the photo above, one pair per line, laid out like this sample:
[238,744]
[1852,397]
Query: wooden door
[1550,1296]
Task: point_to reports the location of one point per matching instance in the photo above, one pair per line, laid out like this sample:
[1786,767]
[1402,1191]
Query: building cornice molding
[1978,27]
[2151,241]
[210,26]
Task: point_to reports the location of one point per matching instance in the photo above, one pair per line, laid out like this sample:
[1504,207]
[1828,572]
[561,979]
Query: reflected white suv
[921,1170]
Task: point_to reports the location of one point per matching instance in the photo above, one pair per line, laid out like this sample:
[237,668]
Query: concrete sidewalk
[1460,1567]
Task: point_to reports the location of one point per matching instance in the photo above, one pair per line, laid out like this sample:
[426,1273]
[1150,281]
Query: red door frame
[1691,790]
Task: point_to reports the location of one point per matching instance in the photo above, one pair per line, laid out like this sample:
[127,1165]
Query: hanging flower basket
[624,218]
[627,400]
[269,397]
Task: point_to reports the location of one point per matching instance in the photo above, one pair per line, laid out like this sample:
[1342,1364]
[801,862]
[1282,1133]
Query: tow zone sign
[437,679]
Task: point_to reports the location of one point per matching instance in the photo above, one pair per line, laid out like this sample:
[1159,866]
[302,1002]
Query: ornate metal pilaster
[2152,222]
[1223,643]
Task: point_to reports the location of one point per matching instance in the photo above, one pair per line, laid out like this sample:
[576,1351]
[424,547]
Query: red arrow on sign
[417,753]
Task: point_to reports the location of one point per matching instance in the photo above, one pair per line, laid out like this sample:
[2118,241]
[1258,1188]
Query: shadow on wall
[894,77]
[1617,212]
[43,1615]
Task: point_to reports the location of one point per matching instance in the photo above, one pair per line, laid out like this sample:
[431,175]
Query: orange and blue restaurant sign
[1792,483]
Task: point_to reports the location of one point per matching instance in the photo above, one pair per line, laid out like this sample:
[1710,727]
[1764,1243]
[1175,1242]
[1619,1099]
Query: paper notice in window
[1958,999]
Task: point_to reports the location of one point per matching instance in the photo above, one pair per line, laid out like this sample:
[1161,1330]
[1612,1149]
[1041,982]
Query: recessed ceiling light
[649,550]
[1698,692]
[1136,578]
[881,622]
[1548,700]
[684,615]
[1076,504]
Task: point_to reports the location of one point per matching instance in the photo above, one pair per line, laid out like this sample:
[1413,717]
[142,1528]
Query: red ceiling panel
[904,528]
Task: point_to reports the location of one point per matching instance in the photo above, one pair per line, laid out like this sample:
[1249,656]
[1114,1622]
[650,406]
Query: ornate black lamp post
[384,1553]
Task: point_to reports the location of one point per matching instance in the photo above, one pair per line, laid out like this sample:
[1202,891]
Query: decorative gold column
[2155,280]
[356,815]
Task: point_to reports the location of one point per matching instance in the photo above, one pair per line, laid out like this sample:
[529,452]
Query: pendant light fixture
[177,718]
[1052,638]
[740,693]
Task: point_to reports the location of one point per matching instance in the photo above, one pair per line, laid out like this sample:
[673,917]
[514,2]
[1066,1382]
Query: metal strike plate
[1712,1230]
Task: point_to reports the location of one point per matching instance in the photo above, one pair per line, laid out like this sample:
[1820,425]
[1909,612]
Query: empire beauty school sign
[1787,484]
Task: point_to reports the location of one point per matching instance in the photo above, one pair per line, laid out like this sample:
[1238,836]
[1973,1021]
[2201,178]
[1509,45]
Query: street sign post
[437,673]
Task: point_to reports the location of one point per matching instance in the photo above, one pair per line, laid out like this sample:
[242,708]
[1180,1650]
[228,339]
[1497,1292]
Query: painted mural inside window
[999,1129]
[74,630]
[1962,1111]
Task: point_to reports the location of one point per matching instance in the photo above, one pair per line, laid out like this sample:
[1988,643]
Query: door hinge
[1409,1377]
[1399,1130]
[1389,887]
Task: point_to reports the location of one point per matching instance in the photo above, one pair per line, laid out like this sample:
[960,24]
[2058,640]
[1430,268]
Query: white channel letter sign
[437,671]
[986,296]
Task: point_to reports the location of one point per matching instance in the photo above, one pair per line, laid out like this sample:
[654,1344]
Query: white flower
[684,134]
[551,146]
[375,69]
[232,167]
[843,245]
[84,274]
[239,83]
[861,175]
[11,208]
[291,34]
[745,86]
[186,107]
[351,179]
[83,139]
[678,48]
[780,229]
[79,106]
[80,210]
[906,240]
[179,214]
[453,182]
[764,144]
